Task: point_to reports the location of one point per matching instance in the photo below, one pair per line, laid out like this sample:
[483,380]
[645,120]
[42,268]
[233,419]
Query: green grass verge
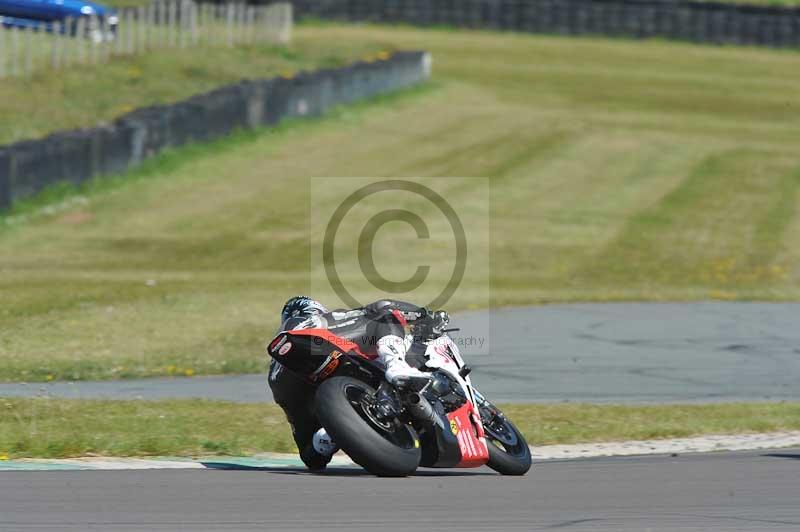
[55,428]
[619,171]
[79,97]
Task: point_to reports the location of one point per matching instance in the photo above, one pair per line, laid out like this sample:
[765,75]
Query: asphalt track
[747,491]
[601,353]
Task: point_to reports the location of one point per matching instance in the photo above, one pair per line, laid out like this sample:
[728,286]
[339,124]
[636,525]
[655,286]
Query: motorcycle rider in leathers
[378,329]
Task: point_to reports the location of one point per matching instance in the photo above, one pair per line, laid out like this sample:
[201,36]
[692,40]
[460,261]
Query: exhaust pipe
[421,409]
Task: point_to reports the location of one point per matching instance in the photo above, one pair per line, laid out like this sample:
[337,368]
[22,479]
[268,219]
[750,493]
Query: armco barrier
[704,22]
[73,156]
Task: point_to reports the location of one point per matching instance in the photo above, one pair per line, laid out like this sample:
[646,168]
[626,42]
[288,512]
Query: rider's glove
[439,320]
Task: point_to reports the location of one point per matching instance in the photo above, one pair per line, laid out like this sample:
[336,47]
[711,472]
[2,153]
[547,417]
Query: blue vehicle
[42,14]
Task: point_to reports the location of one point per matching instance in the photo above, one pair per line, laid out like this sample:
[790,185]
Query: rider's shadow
[339,471]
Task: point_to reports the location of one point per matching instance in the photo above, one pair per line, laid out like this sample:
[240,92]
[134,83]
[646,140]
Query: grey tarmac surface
[601,353]
[746,491]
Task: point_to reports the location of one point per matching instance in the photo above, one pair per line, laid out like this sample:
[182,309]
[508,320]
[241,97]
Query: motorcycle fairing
[466,426]
[440,447]
[312,353]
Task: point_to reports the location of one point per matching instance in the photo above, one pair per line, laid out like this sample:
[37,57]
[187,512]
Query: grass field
[86,95]
[619,171]
[63,428]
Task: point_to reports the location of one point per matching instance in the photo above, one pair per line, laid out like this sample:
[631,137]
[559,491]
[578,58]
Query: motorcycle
[439,421]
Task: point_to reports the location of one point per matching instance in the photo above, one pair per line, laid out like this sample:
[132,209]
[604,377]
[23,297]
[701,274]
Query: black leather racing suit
[364,326]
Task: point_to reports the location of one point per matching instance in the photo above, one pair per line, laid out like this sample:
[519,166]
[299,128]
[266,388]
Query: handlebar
[433,325]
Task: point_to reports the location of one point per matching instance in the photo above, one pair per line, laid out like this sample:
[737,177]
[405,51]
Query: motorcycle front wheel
[509,453]
[386,448]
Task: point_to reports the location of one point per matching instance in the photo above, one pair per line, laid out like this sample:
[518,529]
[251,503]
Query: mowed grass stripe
[773,228]
[710,228]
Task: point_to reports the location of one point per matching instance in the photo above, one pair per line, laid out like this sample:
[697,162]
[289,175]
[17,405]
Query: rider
[378,328]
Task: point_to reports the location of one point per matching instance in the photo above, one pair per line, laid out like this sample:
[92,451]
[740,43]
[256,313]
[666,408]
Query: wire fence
[164,24]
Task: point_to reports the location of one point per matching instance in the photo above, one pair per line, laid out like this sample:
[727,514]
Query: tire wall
[27,167]
[701,22]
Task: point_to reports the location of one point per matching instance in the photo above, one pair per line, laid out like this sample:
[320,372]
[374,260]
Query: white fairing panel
[443,354]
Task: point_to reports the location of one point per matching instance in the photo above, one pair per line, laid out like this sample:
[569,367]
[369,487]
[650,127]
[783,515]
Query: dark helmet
[301,307]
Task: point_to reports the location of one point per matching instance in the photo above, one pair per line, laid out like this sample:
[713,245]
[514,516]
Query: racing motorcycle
[439,421]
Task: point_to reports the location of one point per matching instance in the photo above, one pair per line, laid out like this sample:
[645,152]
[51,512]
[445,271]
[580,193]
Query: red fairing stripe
[400,317]
[470,436]
[342,343]
[274,342]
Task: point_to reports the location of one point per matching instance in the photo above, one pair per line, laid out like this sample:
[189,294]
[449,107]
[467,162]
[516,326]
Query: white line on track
[739,442]
[699,444]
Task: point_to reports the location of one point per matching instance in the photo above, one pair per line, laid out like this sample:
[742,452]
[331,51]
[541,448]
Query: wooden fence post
[266,22]
[165,22]
[285,22]
[229,22]
[245,23]
[14,52]
[194,11]
[119,42]
[180,22]
[240,22]
[237,21]
[93,27]
[26,52]
[257,10]
[172,7]
[89,40]
[110,37]
[158,22]
[80,39]
[220,26]
[202,21]
[199,21]
[131,33]
[3,52]
[141,26]
[144,29]
[56,29]
[33,47]
[250,18]
[148,26]
[65,42]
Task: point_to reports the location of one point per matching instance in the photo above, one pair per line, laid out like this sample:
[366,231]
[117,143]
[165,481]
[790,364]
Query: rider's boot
[323,443]
[392,354]
[319,452]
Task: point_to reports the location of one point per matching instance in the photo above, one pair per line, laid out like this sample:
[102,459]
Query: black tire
[385,452]
[508,455]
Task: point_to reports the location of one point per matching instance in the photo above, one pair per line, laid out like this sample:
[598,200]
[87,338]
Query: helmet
[301,306]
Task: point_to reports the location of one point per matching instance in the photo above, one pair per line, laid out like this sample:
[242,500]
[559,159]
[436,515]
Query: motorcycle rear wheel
[384,448]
